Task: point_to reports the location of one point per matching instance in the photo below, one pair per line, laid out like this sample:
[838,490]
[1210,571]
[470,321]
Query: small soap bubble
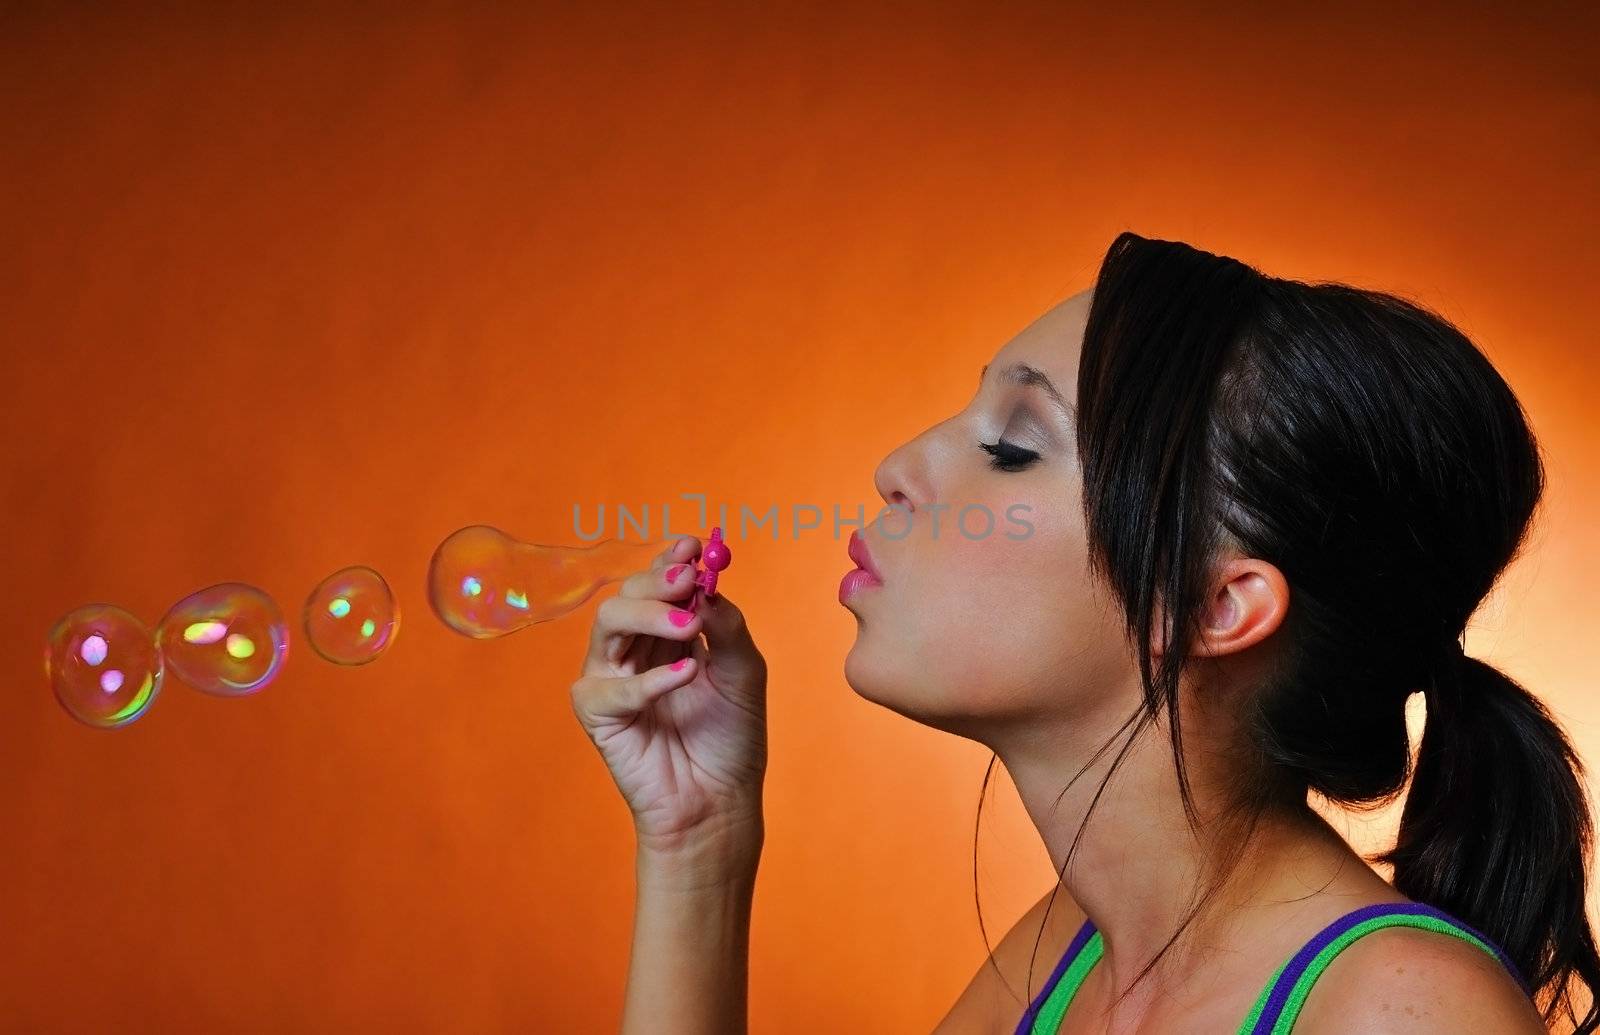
[103,665]
[351,617]
[229,639]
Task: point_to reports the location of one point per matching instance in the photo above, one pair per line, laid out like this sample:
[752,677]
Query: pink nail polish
[674,571]
[677,666]
[680,617]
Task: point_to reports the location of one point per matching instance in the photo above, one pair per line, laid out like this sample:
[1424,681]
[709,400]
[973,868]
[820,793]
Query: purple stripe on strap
[1085,932]
[1302,959]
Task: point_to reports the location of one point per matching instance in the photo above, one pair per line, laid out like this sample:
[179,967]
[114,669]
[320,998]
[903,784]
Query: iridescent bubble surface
[351,618]
[483,583]
[229,639]
[103,665]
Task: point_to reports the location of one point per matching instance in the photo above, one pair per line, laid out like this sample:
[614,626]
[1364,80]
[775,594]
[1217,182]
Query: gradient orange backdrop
[286,291]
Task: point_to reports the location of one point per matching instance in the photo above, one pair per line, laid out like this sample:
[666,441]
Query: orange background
[286,291]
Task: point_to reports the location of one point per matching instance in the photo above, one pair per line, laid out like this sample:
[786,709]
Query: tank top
[1279,1004]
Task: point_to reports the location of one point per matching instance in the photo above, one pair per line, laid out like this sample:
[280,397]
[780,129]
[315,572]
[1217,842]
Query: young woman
[1259,513]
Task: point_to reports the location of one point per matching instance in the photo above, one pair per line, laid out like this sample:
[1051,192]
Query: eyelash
[1008,457]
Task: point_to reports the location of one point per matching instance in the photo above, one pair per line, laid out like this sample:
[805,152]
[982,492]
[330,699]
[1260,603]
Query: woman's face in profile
[986,615]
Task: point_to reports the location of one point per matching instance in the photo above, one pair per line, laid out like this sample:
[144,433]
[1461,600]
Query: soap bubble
[483,583]
[103,665]
[351,617]
[229,639]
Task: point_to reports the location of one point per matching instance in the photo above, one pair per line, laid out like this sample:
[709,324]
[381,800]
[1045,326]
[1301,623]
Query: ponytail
[1496,828]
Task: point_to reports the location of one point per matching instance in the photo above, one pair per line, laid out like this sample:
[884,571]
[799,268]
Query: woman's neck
[1139,867]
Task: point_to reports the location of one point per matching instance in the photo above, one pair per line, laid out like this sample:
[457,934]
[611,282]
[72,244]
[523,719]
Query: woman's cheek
[1025,545]
[1010,605]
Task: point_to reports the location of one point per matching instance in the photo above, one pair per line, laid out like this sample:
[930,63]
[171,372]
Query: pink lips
[864,574]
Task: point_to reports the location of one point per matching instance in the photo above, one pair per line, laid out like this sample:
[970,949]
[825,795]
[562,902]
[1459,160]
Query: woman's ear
[1248,601]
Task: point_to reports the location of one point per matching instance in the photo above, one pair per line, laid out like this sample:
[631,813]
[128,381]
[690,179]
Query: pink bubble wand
[716,557]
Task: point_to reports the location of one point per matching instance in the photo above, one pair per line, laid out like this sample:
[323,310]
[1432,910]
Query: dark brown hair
[1364,446]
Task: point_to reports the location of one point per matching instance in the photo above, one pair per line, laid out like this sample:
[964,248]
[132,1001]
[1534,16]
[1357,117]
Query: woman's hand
[686,746]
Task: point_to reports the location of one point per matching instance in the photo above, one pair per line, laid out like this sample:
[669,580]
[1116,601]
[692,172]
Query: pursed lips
[862,556]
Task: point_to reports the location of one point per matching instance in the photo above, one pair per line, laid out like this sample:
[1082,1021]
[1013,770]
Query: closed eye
[1008,457]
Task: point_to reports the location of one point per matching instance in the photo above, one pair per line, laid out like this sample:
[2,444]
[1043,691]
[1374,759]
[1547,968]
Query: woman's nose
[902,476]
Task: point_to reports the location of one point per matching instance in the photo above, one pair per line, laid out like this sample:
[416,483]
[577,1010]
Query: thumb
[732,654]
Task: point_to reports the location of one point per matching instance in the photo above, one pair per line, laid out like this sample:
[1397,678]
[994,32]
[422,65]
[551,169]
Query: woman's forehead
[1052,342]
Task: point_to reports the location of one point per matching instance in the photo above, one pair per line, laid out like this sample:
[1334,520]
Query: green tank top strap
[1043,1017]
[1279,1004]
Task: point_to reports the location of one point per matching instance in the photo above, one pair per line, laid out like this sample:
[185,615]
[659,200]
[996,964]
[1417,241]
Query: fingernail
[680,617]
[677,666]
[674,571]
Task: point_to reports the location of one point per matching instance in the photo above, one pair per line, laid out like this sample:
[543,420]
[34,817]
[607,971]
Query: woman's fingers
[620,622]
[619,619]
[598,699]
[683,548]
[669,581]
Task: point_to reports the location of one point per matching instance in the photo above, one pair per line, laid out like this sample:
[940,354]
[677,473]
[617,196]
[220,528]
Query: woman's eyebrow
[1033,377]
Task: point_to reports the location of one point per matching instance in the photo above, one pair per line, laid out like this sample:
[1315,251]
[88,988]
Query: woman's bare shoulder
[1402,979]
[992,1003]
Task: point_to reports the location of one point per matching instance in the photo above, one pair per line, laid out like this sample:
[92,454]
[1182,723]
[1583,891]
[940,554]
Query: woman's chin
[869,678]
[891,687]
